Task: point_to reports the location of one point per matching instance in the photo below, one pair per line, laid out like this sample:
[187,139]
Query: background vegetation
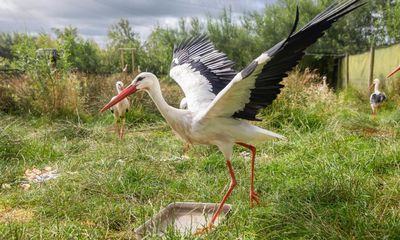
[377,23]
[68,88]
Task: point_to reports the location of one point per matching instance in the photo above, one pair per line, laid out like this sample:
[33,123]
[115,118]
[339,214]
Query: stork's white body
[119,110]
[223,132]
[377,97]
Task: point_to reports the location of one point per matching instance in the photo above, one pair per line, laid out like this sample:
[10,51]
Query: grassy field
[337,177]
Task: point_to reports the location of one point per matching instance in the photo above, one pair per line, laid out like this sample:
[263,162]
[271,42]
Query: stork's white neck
[376,87]
[166,110]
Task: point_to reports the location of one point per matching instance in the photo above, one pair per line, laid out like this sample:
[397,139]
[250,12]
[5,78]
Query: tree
[392,10]
[121,35]
[159,47]
[6,41]
[80,54]
[231,38]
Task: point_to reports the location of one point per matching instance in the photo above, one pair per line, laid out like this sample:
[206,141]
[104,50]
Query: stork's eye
[140,78]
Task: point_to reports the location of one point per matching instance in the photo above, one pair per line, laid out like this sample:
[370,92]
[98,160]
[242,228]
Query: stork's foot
[254,198]
[204,230]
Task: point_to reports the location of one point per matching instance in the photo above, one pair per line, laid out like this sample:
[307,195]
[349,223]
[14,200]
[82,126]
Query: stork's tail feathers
[274,135]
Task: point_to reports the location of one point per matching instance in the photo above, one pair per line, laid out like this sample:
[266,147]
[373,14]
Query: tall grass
[75,96]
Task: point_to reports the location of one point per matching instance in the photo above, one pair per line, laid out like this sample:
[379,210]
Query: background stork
[119,110]
[377,97]
[218,97]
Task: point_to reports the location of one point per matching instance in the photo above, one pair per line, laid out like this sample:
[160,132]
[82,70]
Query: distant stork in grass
[125,69]
[324,83]
[323,87]
[218,97]
[119,110]
[377,97]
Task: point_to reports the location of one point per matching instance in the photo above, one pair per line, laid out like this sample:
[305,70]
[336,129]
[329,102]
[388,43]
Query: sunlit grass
[337,177]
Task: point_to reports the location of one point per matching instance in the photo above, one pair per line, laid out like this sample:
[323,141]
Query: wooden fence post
[133,60]
[371,65]
[122,59]
[347,70]
[132,50]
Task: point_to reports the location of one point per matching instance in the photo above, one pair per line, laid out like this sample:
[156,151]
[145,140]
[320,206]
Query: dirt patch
[373,132]
[15,215]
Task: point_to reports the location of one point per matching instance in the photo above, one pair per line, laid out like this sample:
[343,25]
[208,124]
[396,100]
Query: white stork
[218,97]
[119,110]
[324,83]
[377,97]
[125,69]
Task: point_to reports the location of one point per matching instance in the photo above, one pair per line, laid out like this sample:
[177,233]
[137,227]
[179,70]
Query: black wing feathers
[286,54]
[201,55]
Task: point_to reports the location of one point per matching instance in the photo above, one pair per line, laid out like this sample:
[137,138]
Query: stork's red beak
[126,92]
[394,71]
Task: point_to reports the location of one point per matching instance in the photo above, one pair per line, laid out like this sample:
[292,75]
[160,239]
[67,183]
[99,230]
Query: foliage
[159,47]
[392,10]
[231,38]
[79,54]
[47,88]
[242,39]
[6,41]
[375,23]
[121,35]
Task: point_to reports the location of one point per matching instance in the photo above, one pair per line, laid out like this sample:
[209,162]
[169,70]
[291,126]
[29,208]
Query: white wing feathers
[201,71]
[197,89]
[234,97]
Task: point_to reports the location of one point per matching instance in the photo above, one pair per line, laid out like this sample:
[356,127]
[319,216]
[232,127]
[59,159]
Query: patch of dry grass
[16,215]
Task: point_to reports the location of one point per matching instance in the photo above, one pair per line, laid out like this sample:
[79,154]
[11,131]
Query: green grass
[337,177]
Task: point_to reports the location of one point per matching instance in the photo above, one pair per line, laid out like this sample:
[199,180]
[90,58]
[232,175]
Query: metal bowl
[182,217]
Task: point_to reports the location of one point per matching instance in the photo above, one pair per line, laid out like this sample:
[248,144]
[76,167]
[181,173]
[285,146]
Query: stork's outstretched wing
[201,71]
[256,86]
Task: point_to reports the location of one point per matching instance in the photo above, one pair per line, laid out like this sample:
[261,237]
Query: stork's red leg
[253,194]
[226,196]
[122,129]
[117,127]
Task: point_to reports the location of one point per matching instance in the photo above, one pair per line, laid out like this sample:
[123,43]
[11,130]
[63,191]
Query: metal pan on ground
[181,217]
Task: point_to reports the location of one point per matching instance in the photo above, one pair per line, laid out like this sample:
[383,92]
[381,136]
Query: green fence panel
[386,59]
